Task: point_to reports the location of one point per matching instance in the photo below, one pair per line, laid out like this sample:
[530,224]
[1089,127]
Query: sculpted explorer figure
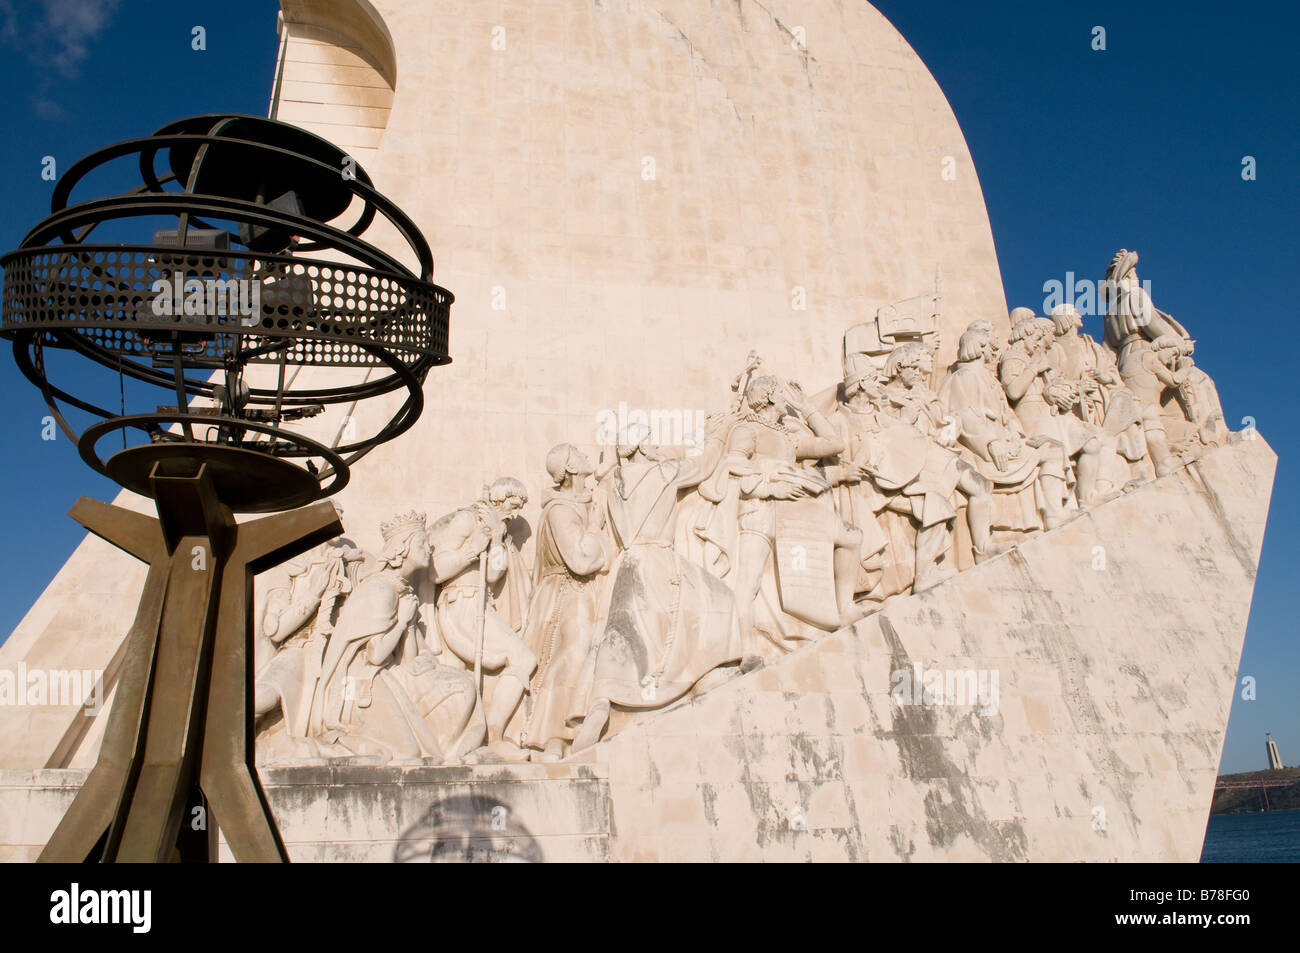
[1134,325]
[563,621]
[992,432]
[1042,399]
[296,623]
[924,476]
[1101,397]
[670,622]
[381,691]
[1131,316]
[466,613]
[787,515]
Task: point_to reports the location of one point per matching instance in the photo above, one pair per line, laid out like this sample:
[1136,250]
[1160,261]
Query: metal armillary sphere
[254,272]
[255,269]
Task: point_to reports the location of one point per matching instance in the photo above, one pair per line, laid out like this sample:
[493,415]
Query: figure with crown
[381,691]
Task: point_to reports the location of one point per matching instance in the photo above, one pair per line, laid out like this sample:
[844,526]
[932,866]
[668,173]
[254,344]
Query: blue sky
[1079,152]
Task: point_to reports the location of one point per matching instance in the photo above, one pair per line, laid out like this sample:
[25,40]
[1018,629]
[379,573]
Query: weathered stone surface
[1115,686]
[1102,741]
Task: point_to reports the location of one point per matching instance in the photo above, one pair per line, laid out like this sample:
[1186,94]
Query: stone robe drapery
[913,484]
[973,395]
[670,622]
[401,704]
[561,630]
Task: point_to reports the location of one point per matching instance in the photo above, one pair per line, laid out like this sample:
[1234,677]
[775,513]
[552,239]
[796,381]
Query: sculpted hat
[857,380]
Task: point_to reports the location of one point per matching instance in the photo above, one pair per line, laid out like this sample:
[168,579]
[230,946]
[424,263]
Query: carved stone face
[910,375]
[1069,325]
[508,508]
[579,465]
[418,556]
[760,397]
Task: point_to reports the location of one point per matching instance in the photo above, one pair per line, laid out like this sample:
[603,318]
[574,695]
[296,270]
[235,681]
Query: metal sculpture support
[179,724]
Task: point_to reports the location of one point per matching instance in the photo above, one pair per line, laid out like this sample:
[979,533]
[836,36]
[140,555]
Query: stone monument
[886,598]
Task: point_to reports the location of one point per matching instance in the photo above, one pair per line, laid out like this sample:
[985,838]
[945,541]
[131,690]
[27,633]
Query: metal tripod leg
[181,716]
[228,777]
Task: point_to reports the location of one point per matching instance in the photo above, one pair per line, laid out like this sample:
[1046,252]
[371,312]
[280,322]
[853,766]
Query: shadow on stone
[467,828]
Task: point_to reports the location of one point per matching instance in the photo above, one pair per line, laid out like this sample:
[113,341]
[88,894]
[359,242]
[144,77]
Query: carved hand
[999,450]
[480,539]
[797,397]
[780,490]
[948,433]
[407,605]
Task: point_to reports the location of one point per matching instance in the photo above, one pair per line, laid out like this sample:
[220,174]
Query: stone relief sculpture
[927,476]
[669,622]
[993,435]
[472,566]
[1042,398]
[375,688]
[788,525]
[296,623]
[1186,398]
[663,572]
[564,619]
[1100,397]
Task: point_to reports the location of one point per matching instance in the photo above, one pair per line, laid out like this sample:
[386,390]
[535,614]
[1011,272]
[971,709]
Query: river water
[1270,836]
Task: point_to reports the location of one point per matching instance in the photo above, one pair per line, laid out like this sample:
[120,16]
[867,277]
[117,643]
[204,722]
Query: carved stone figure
[1102,399]
[670,623]
[512,592]
[381,691]
[563,621]
[1200,398]
[1042,399]
[924,482]
[1182,411]
[296,622]
[872,439]
[993,435]
[470,553]
[1131,316]
[787,519]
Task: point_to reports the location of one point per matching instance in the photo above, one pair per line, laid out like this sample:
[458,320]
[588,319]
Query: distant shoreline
[1257,792]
